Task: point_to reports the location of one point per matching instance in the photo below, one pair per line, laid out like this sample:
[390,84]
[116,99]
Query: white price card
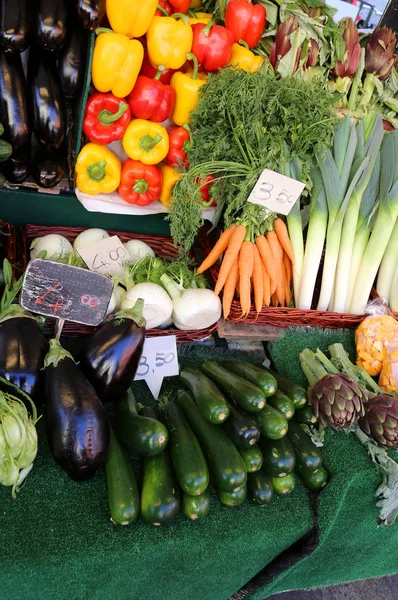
[106,257]
[159,359]
[276,192]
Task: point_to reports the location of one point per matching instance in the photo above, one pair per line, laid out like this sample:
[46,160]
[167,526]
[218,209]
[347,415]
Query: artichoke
[379,57]
[381,420]
[282,45]
[348,66]
[337,400]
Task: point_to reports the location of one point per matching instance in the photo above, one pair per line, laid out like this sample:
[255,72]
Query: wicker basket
[282,316]
[162,246]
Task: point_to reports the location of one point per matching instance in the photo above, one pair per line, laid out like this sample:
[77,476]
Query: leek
[295,227]
[394,291]
[388,266]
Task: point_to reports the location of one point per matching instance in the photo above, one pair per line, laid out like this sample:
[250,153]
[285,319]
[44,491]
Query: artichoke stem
[312,368]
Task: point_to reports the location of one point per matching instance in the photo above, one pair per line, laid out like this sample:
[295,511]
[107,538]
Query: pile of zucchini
[234,424]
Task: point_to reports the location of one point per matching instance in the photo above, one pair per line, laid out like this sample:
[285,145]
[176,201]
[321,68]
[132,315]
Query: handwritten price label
[107,256]
[276,192]
[159,359]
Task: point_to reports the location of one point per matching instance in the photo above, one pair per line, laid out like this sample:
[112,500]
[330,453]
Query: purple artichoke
[349,65]
[381,420]
[379,57]
[337,400]
[282,43]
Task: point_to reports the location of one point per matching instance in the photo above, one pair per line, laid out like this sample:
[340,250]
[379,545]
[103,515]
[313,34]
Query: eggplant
[46,99]
[72,62]
[77,425]
[17,168]
[16,24]
[90,12]
[111,356]
[51,23]
[48,169]
[14,113]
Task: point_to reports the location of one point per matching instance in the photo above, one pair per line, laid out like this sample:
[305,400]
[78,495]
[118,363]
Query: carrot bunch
[261,270]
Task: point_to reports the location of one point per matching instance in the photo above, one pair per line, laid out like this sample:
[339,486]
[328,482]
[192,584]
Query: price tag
[107,256]
[65,292]
[159,359]
[276,192]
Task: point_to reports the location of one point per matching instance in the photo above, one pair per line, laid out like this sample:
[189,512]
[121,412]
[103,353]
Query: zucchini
[260,487]
[148,411]
[313,480]
[252,457]
[260,378]
[272,423]
[146,435]
[208,397]
[279,457]
[235,498]
[242,392]
[123,494]
[241,428]
[306,415]
[284,485]
[225,463]
[296,393]
[160,496]
[281,402]
[5,150]
[196,507]
[187,457]
[307,454]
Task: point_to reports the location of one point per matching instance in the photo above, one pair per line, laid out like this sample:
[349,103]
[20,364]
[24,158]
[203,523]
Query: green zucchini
[296,393]
[260,487]
[313,480]
[187,457]
[307,454]
[306,415]
[279,457]
[281,402]
[272,423]
[252,457]
[242,392]
[235,498]
[284,485]
[241,428]
[160,495]
[5,150]
[260,378]
[208,397]
[145,435]
[225,463]
[123,494]
[196,507]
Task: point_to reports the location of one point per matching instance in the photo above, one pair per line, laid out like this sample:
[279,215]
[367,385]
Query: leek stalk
[388,266]
[295,227]
[394,291]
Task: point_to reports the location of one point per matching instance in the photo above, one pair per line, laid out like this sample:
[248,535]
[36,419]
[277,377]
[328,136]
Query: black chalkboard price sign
[65,292]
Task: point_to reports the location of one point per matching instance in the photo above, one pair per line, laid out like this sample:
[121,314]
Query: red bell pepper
[140,184]
[164,9]
[212,45]
[205,185]
[179,144]
[246,21]
[180,6]
[151,99]
[149,71]
[106,118]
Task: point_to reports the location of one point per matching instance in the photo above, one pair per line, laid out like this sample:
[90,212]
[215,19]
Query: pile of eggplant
[43,52]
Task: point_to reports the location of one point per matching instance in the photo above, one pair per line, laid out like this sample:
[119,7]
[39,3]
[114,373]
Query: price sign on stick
[159,359]
[276,192]
[107,256]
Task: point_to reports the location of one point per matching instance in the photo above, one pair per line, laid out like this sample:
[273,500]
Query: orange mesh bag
[374,335]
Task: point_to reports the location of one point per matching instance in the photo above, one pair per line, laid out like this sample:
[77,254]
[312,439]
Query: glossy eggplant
[90,12]
[111,357]
[48,169]
[17,168]
[46,98]
[51,23]
[16,24]
[14,114]
[72,62]
[77,426]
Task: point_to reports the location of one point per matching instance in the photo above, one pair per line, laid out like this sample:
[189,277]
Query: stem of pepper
[192,57]
[159,72]
[181,16]
[189,143]
[140,186]
[206,29]
[162,10]
[148,142]
[100,30]
[97,171]
[244,44]
[107,118]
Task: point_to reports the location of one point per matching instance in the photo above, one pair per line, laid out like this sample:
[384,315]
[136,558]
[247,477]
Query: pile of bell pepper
[148,70]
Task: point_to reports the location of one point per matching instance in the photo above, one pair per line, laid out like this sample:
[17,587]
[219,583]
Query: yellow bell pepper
[186,86]
[130,17]
[245,59]
[169,41]
[146,141]
[98,170]
[170,178]
[200,17]
[117,62]
[195,3]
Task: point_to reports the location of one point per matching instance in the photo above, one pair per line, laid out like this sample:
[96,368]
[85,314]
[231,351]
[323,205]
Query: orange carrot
[229,289]
[288,266]
[283,237]
[273,286]
[267,257]
[288,295]
[280,291]
[266,290]
[231,255]
[277,253]
[246,264]
[220,246]
[258,280]
[274,300]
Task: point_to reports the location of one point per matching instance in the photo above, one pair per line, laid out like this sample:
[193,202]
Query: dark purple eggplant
[51,23]
[14,113]
[72,62]
[90,12]
[16,24]
[111,357]
[46,99]
[77,426]
[17,168]
[48,169]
